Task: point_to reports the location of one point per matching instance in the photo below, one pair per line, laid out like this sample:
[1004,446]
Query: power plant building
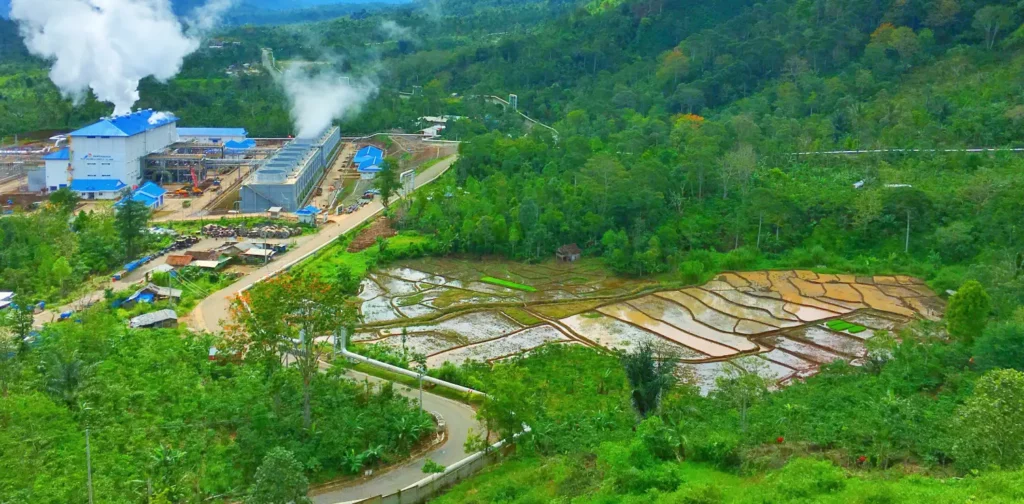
[286,179]
[108,156]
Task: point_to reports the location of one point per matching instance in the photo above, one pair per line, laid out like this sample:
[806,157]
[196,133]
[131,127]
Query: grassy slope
[532,479]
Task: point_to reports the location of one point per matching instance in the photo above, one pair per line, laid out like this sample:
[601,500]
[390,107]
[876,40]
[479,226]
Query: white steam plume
[392,29]
[108,45]
[317,100]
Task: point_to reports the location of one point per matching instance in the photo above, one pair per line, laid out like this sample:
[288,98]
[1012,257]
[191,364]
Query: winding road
[213,312]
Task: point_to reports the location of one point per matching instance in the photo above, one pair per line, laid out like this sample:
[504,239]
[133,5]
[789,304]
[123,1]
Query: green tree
[968,312]
[61,272]
[130,220]
[1001,346]
[279,480]
[649,377]
[64,200]
[66,377]
[387,181]
[988,426]
[990,20]
[302,309]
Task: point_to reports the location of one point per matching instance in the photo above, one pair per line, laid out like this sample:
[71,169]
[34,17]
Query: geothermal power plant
[145,151]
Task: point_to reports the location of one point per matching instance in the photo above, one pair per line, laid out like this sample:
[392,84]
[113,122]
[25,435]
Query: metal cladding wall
[287,178]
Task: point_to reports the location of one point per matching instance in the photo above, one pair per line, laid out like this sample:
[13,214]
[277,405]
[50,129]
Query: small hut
[569,253]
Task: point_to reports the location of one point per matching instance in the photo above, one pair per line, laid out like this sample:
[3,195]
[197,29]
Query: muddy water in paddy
[682,318]
[636,317]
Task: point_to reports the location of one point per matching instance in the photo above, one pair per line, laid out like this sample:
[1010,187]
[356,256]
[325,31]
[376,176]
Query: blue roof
[61,155]
[369,167]
[149,194]
[127,125]
[99,185]
[244,145]
[213,132]
[369,153]
[309,210]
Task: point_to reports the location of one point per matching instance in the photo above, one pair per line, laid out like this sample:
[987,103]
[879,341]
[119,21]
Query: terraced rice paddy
[782,325]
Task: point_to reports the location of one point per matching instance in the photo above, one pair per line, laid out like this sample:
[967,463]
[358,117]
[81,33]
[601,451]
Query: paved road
[459,419]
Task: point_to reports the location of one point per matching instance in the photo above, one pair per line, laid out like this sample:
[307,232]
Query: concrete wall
[56,174]
[37,180]
[434,485]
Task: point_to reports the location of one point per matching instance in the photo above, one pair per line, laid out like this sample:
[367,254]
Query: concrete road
[459,418]
[210,314]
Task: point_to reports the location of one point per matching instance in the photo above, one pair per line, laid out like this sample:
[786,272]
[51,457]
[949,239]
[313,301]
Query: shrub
[717,448]
[1001,346]
[691,272]
[740,259]
[988,423]
[431,467]
[805,478]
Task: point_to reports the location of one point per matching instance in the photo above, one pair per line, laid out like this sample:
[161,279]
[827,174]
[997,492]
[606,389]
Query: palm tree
[648,376]
[65,377]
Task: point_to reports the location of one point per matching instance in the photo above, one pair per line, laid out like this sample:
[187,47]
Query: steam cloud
[317,100]
[110,45]
[394,30]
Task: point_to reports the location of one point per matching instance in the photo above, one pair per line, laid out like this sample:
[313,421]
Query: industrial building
[107,156]
[117,153]
[368,161]
[288,177]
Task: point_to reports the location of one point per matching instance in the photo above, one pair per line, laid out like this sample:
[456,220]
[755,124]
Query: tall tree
[288,318]
[130,220]
[387,181]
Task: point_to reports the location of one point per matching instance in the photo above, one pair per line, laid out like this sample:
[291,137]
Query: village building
[157,319]
[569,253]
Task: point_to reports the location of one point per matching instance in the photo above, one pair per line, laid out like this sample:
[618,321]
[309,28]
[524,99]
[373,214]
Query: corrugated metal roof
[149,194]
[212,132]
[309,210]
[127,125]
[153,318]
[61,155]
[99,185]
[179,260]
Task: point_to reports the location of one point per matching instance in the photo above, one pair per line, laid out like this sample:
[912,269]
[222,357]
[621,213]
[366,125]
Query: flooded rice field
[782,325]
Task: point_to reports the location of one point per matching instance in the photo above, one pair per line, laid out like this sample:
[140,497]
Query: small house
[157,319]
[308,215]
[569,253]
[151,293]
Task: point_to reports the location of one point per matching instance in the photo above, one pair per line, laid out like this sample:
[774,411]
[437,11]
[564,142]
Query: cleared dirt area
[772,323]
[381,228]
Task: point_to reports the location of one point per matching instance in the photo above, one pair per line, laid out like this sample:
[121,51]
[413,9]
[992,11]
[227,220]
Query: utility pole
[88,464]
[906,248]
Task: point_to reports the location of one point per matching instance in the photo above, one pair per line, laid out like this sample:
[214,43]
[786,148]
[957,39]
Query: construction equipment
[196,191]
